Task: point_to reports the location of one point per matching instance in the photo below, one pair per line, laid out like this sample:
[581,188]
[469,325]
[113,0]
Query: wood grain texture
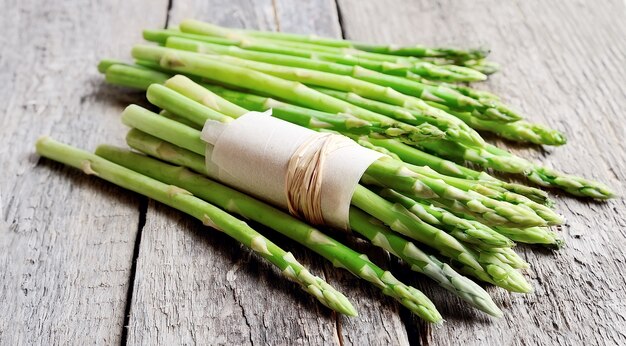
[563,64]
[66,241]
[379,320]
[194,284]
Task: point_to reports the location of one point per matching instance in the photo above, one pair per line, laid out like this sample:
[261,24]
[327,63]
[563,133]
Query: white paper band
[253,153]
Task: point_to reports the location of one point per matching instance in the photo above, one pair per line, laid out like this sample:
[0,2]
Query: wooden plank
[66,241]
[194,284]
[207,288]
[562,65]
[379,320]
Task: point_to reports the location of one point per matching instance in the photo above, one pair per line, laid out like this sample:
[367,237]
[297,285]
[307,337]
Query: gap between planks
[143,212]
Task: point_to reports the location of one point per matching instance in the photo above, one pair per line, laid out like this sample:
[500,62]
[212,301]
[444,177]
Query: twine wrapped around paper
[304,179]
[311,174]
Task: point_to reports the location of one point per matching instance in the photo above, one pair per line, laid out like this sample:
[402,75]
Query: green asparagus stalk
[372,229]
[196,92]
[438,217]
[520,131]
[532,235]
[480,95]
[210,215]
[505,255]
[442,218]
[176,103]
[548,177]
[493,192]
[132,76]
[481,65]
[438,94]
[250,208]
[180,119]
[416,50]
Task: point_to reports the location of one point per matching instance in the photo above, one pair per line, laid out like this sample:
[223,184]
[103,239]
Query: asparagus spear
[548,177]
[210,215]
[250,208]
[493,192]
[482,65]
[480,95]
[443,218]
[438,94]
[131,76]
[505,255]
[372,229]
[520,131]
[196,92]
[532,235]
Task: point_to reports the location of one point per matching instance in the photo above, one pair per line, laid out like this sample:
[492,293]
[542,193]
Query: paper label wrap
[252,153]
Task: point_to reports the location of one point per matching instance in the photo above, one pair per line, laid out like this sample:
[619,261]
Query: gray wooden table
[84,262]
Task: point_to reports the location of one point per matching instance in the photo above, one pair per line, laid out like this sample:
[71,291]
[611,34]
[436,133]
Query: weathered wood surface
[67,241]
[206,287]
[563,64]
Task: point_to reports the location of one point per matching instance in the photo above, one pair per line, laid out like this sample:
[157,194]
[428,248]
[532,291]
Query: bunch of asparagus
[443,219]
